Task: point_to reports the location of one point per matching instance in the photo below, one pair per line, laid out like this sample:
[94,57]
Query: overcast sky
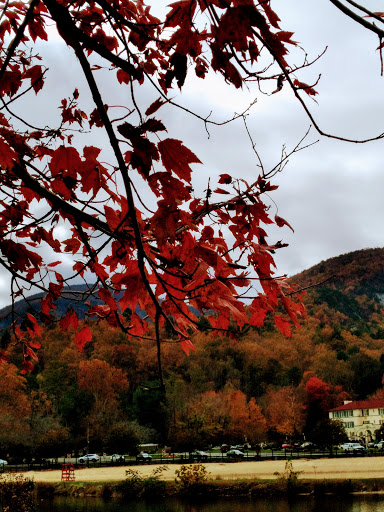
[332,192]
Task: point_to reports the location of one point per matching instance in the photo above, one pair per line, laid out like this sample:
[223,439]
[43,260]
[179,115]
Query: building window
[342,414]
[381,412]
[349,424]
[365,412]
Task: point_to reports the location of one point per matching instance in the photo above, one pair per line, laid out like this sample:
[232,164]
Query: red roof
[374,403]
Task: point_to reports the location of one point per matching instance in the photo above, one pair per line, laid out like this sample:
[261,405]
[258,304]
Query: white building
[362,419]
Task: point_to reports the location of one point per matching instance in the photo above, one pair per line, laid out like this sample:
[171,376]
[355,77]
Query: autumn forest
[257,385]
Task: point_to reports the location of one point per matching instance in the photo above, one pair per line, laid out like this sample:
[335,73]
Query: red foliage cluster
[166,258]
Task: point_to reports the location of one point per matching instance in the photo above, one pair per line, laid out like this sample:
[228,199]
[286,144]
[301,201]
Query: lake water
[357,503]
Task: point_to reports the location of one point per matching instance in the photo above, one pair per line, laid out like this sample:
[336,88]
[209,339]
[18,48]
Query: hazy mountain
[350,284]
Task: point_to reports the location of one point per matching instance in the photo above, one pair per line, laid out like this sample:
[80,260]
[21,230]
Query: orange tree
[164,255]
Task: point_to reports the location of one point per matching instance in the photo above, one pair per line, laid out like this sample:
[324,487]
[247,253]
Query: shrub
[136,486]
[16,493]
[288,481]
[189,478]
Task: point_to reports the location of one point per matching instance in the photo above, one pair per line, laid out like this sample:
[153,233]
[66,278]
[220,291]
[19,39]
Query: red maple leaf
[36,29]
[305,87]
[70,318]
[282,222]
[82,337]
[176,157]
[6,155]
[283,325]
[187,346]
[154,106]
[35,73]
[225,179]
[106,296]
[65,159]
[123,76]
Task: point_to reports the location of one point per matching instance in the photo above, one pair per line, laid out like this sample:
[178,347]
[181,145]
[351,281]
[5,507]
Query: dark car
[224,448]
[199,455]
[144,457]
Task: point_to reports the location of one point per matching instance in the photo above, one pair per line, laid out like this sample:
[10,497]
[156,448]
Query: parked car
[3,462]
[199,455]
[224,448]
[241,447]
[143,457]
[235,454]
[89,457]
[287,446]
[117,458]
[353,448]
[379,445]
[307,445]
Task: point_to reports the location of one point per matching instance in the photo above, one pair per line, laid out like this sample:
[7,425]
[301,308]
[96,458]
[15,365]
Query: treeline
[255,386]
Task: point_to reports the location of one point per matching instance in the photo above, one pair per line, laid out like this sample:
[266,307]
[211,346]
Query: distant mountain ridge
[33,304]
[340,283]
[358,272]
[351,284]
[22,306]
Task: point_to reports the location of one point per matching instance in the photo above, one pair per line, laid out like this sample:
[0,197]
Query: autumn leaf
[282,222]
[152,125]
[7,155]
[305,87]
[72,245]
[283,325]
[187,346]
[123,76]
[65,159]
[35,73]
[271,15]
[36,29]
[54,264]
[70,318]
[225,179]
[176,157]
[258,317]
[27,367]
[154,106]
[82,337]
[286,37]
[106,296]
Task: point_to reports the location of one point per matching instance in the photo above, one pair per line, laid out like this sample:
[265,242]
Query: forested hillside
[259,385]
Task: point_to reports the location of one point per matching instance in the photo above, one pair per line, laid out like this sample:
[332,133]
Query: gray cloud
[331,193]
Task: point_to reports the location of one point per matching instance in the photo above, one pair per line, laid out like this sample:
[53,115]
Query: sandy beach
[343,468]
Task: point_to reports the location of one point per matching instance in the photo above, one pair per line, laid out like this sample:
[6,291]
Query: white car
[353,448]
[235,454]
[3,462]
[89,457]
